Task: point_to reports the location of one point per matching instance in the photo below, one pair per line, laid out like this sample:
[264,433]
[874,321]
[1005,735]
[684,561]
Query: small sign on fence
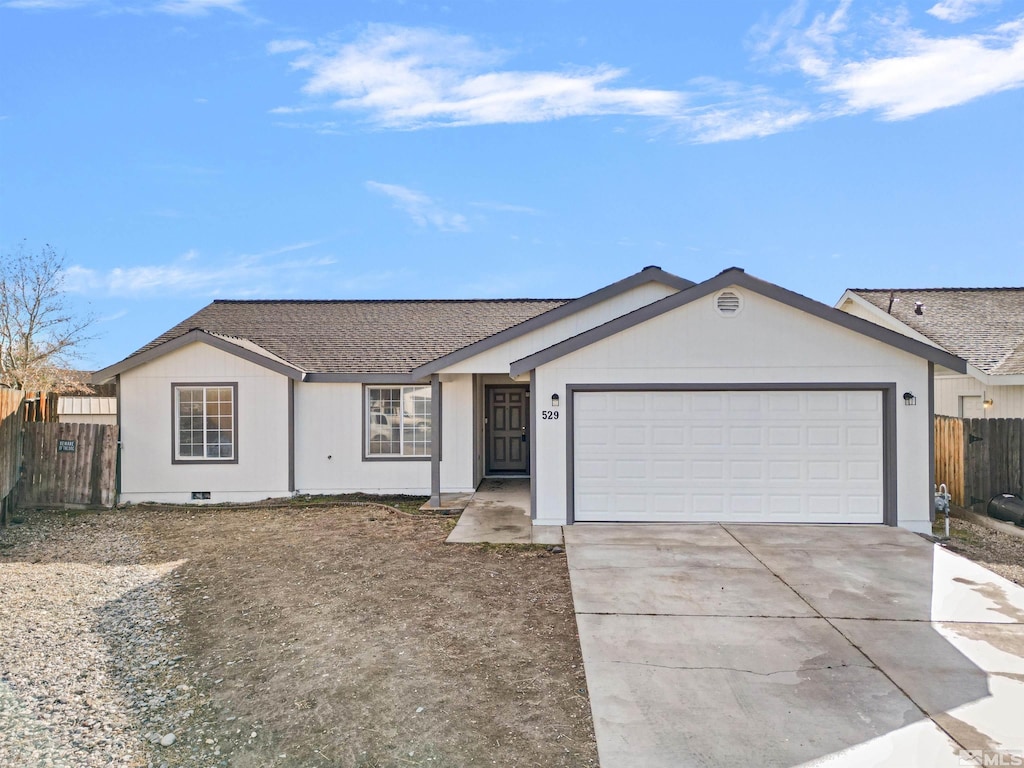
[67,446]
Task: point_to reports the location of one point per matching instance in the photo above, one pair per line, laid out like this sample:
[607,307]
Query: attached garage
[766,456]
[734,401]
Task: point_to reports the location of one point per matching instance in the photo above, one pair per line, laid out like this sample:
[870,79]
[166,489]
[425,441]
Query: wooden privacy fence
[979,458]
[41,406]
[949,456]
[10,449]
[69,464]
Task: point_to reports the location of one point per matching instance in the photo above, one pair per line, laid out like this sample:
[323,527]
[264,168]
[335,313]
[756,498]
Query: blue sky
[177,151]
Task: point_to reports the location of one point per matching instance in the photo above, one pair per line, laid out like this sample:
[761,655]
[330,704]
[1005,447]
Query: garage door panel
[631,435]
[863,470]
[667,436]
[740,470]
[787,403]
[800,456]
[824,437]
[629,402]
[867,437]
[632,470]
[784,437]
[669,470]
[824,470]
[668,402]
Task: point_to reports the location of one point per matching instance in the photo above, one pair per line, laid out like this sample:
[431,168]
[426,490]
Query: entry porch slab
[499,513]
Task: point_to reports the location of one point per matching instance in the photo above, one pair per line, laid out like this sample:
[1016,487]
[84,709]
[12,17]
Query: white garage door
[779,456]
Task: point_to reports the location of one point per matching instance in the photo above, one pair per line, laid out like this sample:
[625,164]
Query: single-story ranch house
[652,399]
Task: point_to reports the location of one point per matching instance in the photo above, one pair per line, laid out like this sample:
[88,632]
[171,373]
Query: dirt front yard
[342,636]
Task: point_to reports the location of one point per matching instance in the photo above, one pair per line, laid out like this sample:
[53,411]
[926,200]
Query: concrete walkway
[499,513]
[793,645]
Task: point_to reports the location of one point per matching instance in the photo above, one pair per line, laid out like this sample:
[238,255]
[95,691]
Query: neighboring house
[984,326]
[77,409]
[652,399]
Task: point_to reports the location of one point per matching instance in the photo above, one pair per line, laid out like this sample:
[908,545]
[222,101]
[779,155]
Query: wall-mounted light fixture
[986,403]
[554,401]
[909,399]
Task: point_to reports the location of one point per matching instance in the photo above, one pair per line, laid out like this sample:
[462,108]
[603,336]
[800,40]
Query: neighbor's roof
[984,326]
[358,337]
[86,406]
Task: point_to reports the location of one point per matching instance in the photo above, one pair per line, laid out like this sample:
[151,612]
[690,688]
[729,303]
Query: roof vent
[728,303]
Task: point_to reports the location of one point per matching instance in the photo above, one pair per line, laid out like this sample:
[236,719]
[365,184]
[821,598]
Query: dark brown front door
[508,437]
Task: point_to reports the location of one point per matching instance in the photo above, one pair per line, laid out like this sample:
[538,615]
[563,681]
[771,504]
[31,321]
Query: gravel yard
[1002,553]
[88,658]
[283,637]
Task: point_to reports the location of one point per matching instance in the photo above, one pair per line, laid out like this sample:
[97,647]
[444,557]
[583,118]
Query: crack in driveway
[683,668]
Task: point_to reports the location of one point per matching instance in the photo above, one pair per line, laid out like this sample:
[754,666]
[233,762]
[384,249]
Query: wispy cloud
[288,46]
[955,11]
[200,7]
[729,111]
[505,207]
[847,61]
[889,66]
[401,77]
[934,73]
[190,273]
[811,48]
[421,208]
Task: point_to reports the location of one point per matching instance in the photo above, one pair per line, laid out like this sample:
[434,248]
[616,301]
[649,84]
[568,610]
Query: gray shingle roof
[351,337]
[984,326]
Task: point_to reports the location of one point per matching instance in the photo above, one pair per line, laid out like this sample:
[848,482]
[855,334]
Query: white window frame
[395,422]
[176,390]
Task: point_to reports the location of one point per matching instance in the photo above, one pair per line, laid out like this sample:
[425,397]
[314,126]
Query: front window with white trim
[205,428]
[398,421]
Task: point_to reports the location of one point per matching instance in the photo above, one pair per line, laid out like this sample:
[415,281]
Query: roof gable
[737,277]
[242,348]
[646,275]
[984,326]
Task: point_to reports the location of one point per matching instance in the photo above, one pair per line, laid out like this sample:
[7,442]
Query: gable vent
[728,303]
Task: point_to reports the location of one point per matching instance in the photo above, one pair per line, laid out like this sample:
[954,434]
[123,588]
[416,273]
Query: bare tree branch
[39,335]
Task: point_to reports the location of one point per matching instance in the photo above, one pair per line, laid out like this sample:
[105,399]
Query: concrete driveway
[715,645]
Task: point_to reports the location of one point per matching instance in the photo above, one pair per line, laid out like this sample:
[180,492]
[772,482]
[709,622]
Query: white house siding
[1007,401]
[496,359]
[329,443]
[147,473]
[766,342]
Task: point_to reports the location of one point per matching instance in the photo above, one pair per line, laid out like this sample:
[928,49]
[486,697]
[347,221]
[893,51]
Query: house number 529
[549,415]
